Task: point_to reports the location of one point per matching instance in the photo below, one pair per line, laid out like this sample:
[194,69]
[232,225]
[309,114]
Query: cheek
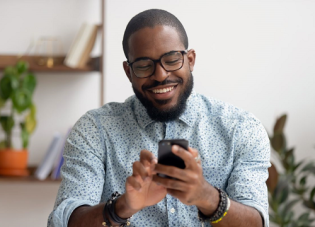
[136,83]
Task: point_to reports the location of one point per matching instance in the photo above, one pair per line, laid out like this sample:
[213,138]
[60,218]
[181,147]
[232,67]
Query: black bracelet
[221,210]
[106,222]
[109,208]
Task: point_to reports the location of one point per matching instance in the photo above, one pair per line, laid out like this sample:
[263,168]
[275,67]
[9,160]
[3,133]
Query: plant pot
[13,162]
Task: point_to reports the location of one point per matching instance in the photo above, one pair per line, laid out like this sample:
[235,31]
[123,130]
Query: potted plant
[16,108]
[290,187]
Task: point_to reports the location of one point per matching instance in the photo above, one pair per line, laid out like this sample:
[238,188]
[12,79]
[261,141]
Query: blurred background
[256,55]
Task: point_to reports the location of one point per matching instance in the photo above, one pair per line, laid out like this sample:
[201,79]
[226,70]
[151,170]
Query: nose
[159,74]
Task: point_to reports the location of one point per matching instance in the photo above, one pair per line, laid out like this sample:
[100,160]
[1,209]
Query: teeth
[164,90]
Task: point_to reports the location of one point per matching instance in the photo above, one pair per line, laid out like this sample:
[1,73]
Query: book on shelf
[49,159]
[81,47]
[59,160]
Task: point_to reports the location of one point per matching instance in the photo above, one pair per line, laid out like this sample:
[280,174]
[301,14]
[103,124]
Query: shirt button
[172,210]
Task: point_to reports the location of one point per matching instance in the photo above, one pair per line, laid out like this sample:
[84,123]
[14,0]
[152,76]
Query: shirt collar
[141,114]
[189,116]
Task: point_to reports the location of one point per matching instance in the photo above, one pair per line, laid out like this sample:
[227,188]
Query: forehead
[153,42]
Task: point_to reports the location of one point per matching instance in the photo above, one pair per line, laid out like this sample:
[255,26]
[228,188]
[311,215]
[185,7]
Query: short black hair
[151,18]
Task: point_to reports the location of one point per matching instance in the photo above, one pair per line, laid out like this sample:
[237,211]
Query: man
[114,148]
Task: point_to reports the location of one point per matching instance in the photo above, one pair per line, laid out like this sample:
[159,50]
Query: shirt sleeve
[247,183]
[83,171]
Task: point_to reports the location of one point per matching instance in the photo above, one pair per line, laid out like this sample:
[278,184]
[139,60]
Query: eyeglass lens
[170,62]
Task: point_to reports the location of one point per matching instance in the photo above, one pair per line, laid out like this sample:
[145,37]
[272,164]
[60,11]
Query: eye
[143,68]
[172,61]
[143,65]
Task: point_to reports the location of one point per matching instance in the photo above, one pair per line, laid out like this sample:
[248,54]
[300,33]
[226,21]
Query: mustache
[165,82]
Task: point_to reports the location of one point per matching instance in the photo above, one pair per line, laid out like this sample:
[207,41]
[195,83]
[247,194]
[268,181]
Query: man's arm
[191,188]
[83,171]
[92,216]
[141,192]
[238,214]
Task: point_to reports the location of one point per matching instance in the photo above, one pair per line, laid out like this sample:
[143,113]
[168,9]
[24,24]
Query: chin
[166,109]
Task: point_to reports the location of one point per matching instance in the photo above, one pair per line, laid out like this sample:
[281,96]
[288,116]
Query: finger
[180,174]
[139,170]
[180,195]
[132,183]
[193,151]
[146,157]
[170,183]
[185,155]
[195,154]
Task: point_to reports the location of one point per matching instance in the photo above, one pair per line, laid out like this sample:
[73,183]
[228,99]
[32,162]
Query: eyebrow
[146,58]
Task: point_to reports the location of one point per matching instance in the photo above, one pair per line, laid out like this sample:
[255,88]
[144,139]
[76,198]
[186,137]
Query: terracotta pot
[13,162]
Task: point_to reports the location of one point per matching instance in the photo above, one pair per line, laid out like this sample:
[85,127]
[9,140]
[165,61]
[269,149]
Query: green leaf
[7,123]
[2,102]
[25,138]
[280,123]
[310,166]
[30,122]
[288,217]
[312,194]
[278,142]
[10,71]
[33,110]
[290,204]
[304,220]
[21,66]
[285,210]
[298,165]
[281,192]
[303,181]
[21,99]
[5,87]
[29,82]
[299,191]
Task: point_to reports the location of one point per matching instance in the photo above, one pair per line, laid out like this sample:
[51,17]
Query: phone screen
[166,156]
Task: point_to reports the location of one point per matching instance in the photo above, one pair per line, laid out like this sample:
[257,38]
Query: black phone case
[166,156]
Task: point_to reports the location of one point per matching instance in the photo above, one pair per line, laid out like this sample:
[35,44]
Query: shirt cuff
[61,216]
[259,208]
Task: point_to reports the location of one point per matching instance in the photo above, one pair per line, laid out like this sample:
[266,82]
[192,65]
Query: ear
[191,55]
[127,70]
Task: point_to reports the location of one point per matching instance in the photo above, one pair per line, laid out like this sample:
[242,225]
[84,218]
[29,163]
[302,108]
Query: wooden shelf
[30,178]
[5,60]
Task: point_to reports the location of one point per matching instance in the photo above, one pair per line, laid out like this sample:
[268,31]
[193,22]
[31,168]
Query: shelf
[30,178]
[5,60]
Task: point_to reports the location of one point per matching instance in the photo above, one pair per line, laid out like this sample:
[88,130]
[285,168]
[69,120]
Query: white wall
[258,55]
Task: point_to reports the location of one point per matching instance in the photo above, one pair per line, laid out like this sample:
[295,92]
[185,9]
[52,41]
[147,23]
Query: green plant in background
[291,188]
[17,85]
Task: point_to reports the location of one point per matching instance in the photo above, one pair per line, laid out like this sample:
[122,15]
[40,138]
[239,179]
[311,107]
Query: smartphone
[166,156]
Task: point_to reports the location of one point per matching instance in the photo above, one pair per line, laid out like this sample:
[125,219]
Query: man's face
[164,93]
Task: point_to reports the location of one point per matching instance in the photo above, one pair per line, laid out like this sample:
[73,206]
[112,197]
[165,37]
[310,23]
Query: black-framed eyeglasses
[145,67]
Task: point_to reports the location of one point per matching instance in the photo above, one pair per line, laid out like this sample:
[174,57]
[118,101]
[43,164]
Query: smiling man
[111,176]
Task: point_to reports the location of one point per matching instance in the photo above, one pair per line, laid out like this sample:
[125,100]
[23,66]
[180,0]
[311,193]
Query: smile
[163,90]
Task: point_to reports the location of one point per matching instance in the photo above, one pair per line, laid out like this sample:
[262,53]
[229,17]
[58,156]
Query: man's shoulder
[114,109]
[218,108]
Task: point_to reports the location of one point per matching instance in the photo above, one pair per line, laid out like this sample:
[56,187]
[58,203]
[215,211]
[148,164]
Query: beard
[173,112]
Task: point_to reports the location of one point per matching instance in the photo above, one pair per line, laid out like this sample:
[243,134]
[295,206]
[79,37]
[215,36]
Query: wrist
[122,209]
[208,205]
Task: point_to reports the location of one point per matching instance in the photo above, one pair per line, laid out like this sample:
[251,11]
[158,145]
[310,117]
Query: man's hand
[141,191]
[189,187]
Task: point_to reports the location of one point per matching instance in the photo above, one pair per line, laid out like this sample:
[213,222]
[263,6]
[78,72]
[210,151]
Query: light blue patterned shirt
[104,143]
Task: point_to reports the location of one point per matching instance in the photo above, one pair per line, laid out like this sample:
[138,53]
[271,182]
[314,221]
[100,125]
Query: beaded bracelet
[220,212]
[109,208]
